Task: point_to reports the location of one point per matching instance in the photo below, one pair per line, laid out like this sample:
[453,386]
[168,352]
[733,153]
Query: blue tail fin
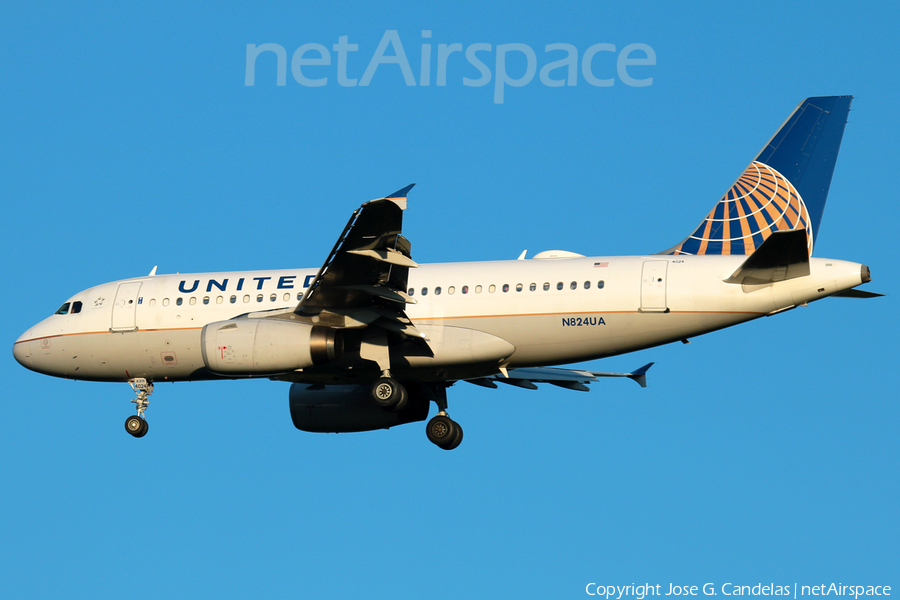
[785,187]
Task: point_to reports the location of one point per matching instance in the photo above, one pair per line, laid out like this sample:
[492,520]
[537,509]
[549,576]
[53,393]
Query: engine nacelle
[266,346]
[346,408]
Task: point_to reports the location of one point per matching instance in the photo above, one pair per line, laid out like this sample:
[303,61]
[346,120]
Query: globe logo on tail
[761,201]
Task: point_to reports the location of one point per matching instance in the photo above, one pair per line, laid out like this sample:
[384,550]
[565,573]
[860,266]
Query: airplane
[369,340]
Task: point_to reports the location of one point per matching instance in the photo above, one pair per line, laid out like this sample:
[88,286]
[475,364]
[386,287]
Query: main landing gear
[136,425]
[389,394]
[442,431]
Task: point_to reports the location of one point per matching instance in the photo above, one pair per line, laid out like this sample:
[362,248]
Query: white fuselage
[552,311]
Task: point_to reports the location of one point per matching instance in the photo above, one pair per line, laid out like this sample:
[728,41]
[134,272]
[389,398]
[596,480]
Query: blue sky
[764,453]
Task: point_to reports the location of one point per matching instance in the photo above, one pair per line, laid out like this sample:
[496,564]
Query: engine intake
[266,346]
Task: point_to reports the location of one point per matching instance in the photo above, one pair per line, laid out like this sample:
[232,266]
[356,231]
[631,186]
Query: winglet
[640,375]
[399,197]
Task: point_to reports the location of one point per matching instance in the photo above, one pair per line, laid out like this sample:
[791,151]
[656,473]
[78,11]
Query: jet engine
[346,408]
[266,346]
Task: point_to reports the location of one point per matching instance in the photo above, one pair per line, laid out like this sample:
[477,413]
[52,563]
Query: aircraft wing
[566,378]
[363,281]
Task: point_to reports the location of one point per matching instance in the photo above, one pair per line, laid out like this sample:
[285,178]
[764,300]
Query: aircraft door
[125,306]
[653,286]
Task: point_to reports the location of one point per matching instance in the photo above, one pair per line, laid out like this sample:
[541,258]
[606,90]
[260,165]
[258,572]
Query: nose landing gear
[136,425]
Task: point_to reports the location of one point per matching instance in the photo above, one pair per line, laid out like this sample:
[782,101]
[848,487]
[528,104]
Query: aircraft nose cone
[22,353]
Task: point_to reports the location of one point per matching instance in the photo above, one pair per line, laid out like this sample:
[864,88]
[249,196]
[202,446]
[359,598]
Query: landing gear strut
[136,425]
[389,394]
[442,431]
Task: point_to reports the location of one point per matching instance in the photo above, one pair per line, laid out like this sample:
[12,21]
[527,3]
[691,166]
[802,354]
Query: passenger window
[287,296]
[259,297]
[219,299]
[179,301]
[437,291]
[76,308]
[205,299]
[505,287]
[465,289]
[411,291]
[424,291]
[546,286]
[492,288]
[273,297]
[152,301]
[233,299]
[559,285]
[532,287]
[451,290]
[192,301]
[587,285]
[165,301]
[246,298]
[477,289]
[299,296]
[63,310]
[519,287]
[600,285]
[573,285]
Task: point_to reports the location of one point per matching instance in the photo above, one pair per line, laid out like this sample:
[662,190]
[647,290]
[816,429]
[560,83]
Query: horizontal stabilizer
[855,293]
[784,255]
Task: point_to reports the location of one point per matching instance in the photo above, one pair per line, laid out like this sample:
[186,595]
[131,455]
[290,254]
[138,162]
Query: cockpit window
[63,310]
[76,307]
